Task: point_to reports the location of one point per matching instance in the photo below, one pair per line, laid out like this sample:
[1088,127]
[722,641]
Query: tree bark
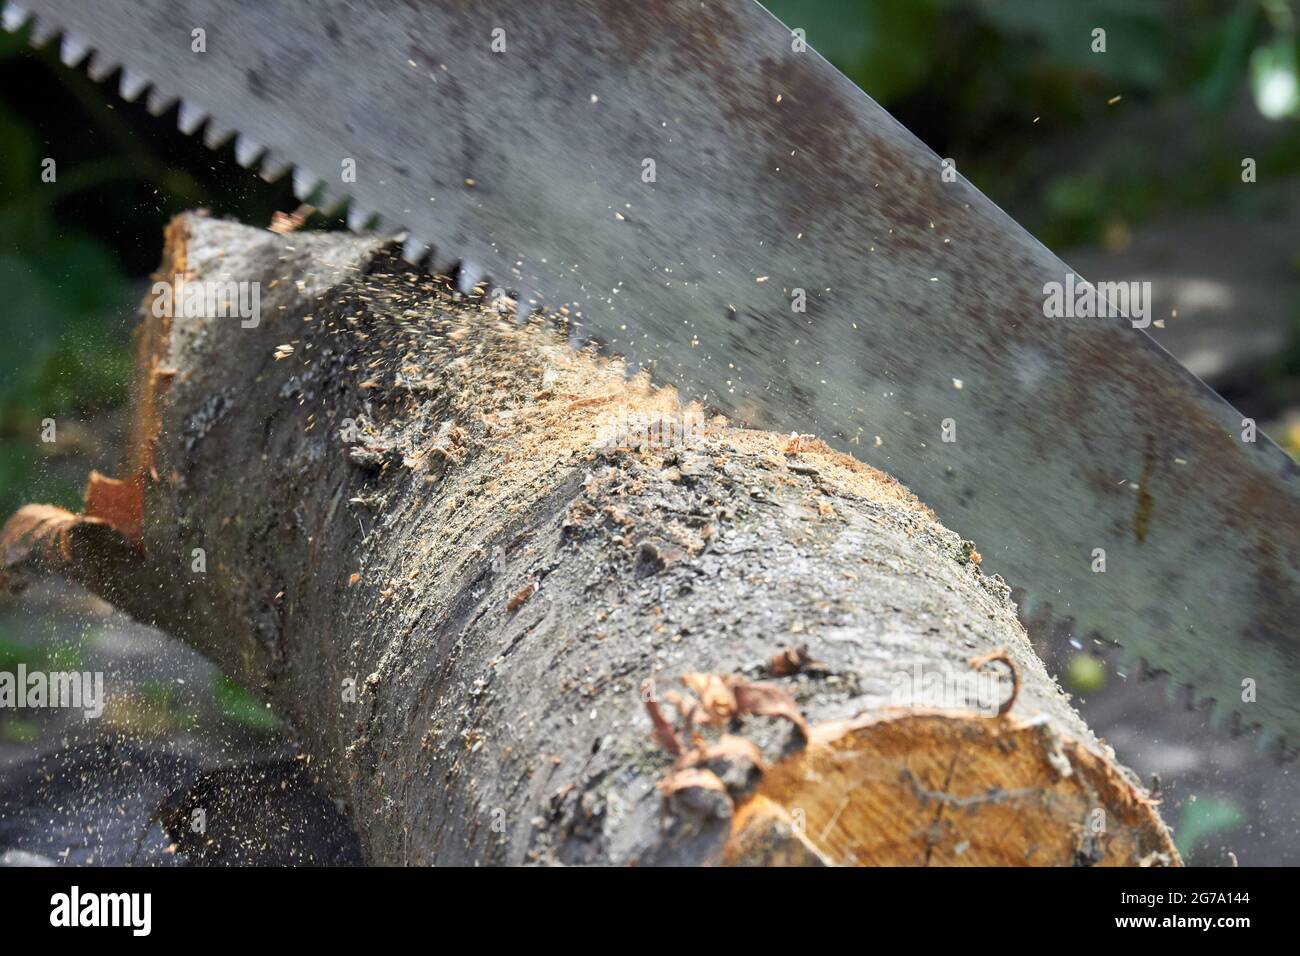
[515,624]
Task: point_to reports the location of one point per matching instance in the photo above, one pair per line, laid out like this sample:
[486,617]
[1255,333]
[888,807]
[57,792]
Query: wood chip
[524,593]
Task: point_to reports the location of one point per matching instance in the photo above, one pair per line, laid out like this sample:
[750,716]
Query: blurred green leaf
[30,303]
[1230,52]
[58,656]
[1274,80]
[19,159]
[1204,817]
[12,44]
[1084,674]
[243,707]
[12,653]
[1063,32]
[19,731]
[24,480]
[64,656]
[85,371]
[882,45]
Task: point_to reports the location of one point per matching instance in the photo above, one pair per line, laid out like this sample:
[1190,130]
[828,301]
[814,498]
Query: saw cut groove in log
[529,610]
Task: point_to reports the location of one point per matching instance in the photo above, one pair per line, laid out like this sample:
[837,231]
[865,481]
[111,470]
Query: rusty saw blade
[715,201]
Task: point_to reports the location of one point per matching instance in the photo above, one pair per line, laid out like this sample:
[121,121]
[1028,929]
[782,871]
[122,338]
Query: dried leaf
[664,734]
[767,700]
[718,701]
[726,749]
[523,595]
[790,661]
[688,708]
[696,792]
[690,778]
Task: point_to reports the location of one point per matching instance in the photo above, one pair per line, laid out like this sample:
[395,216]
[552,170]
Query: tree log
[524,608]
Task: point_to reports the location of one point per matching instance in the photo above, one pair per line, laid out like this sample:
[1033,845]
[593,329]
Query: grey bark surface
[497,587]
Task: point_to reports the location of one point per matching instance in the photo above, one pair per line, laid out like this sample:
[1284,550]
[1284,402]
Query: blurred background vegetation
[1088,150]
[998,83]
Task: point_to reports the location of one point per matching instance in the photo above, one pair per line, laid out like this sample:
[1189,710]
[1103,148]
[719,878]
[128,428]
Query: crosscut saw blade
[682,176]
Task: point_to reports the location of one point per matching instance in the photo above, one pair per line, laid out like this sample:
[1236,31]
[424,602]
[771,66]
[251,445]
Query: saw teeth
[329,202]
[247,151]
[442,262]
[273,168]
[100,67]
[1131,663]
[131,85]
[214,137]
[1221,716]
[332,204]
[304,184]
[13,18]
[359,218]
[414,250]
[43,31]
[530,303]
[190,118]
[73,50]
[1174,693]
[469,277]
[158,102]
[1274,744]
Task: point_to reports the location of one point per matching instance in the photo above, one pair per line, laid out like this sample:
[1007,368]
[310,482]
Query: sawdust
[541,404]
[523,403]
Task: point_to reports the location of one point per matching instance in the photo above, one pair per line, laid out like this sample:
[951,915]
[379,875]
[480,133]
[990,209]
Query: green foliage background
[75,254]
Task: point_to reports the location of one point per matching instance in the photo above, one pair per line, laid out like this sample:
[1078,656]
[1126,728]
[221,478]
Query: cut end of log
[945,789]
